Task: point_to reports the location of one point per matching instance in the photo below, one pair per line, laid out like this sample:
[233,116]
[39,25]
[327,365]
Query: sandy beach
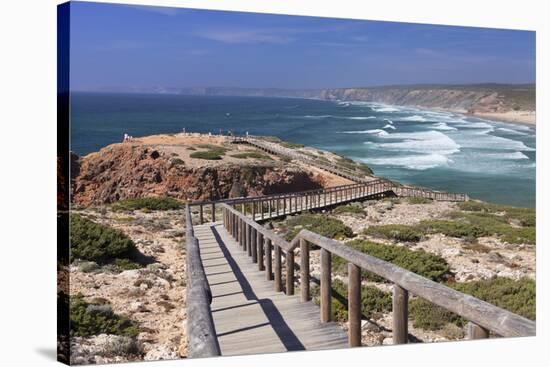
[518,117]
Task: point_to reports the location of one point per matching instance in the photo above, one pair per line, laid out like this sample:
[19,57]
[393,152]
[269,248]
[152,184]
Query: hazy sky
[137,46]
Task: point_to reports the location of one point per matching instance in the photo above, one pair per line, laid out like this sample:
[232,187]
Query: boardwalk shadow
[276,320]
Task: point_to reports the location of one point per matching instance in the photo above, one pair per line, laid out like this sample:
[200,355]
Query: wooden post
[260,254]
[304,270]
[400,315]
[474,331]
[354,305]
[277,205]
[253,210]
[268,260]
[213,212]
[269,208]
[262,207]
[326,286]
[237,230]
[248,239]
[201,214]
[284,205]
[253,245]
[278,271]
[290,273]
[243,208]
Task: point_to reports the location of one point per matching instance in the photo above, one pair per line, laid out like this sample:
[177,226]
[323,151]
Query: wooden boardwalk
[249,315]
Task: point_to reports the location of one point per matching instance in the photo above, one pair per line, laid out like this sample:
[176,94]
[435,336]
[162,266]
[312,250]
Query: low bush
[177,162]
[207,154]
[398,232]
[318,223]
[517,296]
[349,209]
[478,224]
[291,145]
[419,200]
[87,319]
[420,262]
[149,203]
[525,216]
[352,165]
[95,242]
[253,155]
[373,300]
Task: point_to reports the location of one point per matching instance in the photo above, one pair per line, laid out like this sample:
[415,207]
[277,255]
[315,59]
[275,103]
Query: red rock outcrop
[124,172]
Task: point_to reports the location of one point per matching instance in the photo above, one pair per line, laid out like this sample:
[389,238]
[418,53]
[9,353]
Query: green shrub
[208,154]
[373,300]
[96,242]
[150,203]
[253,155]
[478,224]
[93,319]
[177,162]
[291,145]
[517,296]
[349,209]
[354,166]
[318,223]
[525,216]
[398,232]
[420,262]
[419,200]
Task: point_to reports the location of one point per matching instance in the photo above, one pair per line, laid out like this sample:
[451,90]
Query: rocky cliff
[124,171]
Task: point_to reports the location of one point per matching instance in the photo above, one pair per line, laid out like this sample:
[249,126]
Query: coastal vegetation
[100,244]
[89,319]
[517,296]
[290,145]
[349,209]
[352,165]
[420,262]
[373,300]
[515,226]
[252,154]
[317,223]
[148,203]
[398,232]
[211,152]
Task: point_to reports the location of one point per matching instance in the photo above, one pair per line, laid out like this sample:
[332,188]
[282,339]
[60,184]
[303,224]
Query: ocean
[488,160]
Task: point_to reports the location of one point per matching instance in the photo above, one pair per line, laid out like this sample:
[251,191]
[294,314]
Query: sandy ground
[154,295]
[519,117]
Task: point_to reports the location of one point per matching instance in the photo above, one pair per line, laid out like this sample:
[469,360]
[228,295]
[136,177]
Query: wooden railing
[271,206]
[201,334]
[267,249]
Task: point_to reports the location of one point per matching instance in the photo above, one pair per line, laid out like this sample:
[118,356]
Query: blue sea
[489,160]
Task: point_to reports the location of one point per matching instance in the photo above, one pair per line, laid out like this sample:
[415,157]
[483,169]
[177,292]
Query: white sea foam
[320,117]
[429,142]
[372,131]
[511,131]
[443,126]
[482,140]
[385,109]
[389,126]
[508,156]
[416,162]
[417,118]
[475,125]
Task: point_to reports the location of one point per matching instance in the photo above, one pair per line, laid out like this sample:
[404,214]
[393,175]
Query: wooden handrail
[201,333]
[484,317]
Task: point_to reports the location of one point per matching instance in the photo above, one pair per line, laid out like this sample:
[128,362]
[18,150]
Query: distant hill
[470,98]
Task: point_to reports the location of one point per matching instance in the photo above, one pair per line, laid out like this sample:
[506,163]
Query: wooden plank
[474,331]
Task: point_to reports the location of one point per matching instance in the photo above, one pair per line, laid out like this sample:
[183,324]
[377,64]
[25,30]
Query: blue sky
[126,46]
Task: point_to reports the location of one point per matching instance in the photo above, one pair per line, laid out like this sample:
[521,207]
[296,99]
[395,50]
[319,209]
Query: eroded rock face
[124,172]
